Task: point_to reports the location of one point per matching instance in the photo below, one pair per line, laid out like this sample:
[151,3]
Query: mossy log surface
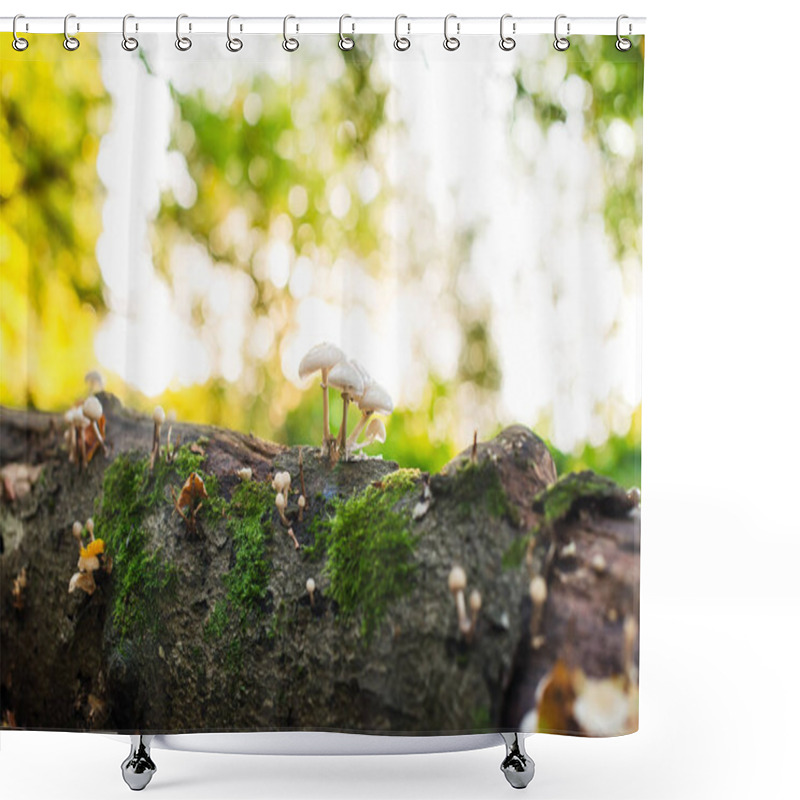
[213,630]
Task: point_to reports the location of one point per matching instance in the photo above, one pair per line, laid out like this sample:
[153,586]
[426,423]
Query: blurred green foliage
[54,111]
[267,160]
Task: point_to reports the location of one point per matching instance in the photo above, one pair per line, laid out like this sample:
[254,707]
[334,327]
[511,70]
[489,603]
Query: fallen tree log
[213,626]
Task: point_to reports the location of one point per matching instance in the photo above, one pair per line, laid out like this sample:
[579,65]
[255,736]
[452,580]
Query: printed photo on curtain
[320,385]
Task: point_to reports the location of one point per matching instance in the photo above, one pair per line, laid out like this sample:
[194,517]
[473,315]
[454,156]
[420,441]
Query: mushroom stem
[464,624]
[343,429]
[326,412]
[73,443]
[156,444]
[474,453]
[290,534]
[352,438]
[280,504]
[99,437]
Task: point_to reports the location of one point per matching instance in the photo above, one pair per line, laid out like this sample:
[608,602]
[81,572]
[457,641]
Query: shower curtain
[320,385]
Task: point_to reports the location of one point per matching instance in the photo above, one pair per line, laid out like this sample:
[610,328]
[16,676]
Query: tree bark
[288,664]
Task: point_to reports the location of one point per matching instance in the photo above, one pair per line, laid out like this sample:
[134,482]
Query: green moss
[560,500]
[142,579]
[479,482]
[369,546]
[248,580]
[218,621]
[557,501]
[141,576]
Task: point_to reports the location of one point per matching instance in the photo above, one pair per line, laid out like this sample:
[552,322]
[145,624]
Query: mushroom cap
[245,473]
[311,585]
[363,372]
[457,579]
[90,526]
[94,377]
[69,416]
[159,416]
[321,356]
[376,431]
[77,530]
[280,501]
[538,590]
[376,399]
[475,600]
[301,501]
[346,378]
[281,482]
[92,408]
[79,419]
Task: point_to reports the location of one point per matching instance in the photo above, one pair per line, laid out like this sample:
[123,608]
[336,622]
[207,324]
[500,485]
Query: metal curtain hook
[507,42]
[19,44]
[128,42]
[623,44]
[345,42]
[290,44]
[560,43]
[183,43]
[451,42]
[70,42]
[401,43]
[233,44]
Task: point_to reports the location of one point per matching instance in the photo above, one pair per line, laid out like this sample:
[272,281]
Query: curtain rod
[464,26]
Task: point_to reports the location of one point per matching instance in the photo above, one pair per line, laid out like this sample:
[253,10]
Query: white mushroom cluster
[83,421]
[356,386]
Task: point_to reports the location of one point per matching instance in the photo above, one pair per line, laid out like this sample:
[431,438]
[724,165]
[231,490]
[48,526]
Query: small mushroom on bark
[186,503]
[301,507]
[375,432]
[374,400]
[93,411]
[538,594]
[475,603]
[94,381]
[159,418]
[311,586]
[280,504]
[245,474]
[347,379]
[322,357]
[457,583]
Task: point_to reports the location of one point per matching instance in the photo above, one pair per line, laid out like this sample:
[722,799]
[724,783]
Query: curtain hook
[290,44]
[19,44]
[507,42]
[623,44]
[233,44]
[70,42]
[451,42]
[128,42]
[560,43]
[401,43]
[183,43]
[345,42]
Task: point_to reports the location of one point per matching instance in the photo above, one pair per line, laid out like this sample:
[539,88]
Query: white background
[721,539]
